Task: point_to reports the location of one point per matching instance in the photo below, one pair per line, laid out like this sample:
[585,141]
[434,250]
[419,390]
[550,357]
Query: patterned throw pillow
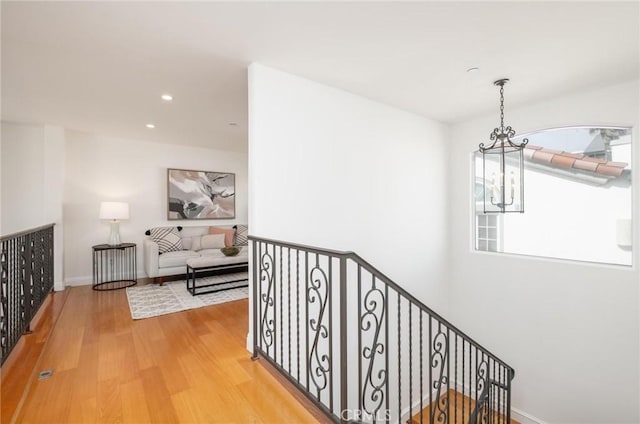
[242,232]
[168,239]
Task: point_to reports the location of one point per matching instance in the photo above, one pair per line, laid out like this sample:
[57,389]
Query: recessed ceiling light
[472,70]
[233,124]
[150,126]
[167,97]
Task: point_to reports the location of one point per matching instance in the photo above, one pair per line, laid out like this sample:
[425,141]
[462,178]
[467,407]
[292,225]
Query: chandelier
[503,167]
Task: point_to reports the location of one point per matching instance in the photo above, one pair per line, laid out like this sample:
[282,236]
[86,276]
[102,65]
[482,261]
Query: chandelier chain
[502,107]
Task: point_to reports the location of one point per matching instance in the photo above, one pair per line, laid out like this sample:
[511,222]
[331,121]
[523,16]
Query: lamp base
[114,236]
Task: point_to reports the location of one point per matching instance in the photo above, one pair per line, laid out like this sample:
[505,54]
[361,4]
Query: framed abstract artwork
[200,194]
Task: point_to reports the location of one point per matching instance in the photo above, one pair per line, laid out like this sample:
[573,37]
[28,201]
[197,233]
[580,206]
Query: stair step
[459,410]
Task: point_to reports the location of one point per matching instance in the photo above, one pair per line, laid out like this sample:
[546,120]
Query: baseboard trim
[524,418]
[88,280]
[78,281]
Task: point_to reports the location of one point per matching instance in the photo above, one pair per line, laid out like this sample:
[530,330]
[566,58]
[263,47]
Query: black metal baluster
[410,364]
[259,300]
[281,314]
[289,306]
[493,398]
[421,383]
[344,383]
[256,301]
[298,313]
[448,357]
[455,379]
[463,375]
[399,360]
[360,382]
[471,347]
[275,305]
[306,320]
[508,394]
[373,345]
[503,380]
[478,400]
[431,382]
[330,295]
[386,348]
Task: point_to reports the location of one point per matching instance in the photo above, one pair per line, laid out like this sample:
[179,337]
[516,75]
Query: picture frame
[196,195]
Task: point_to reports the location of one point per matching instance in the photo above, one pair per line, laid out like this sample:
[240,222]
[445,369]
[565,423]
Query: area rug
[152,300]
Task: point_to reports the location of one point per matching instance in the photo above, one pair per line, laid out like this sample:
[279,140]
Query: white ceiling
[101,66]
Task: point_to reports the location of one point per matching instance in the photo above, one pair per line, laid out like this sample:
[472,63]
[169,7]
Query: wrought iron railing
[26,277]
[361,348]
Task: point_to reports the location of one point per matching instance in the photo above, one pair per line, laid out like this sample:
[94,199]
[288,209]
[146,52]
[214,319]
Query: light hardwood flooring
[458,411]
[187,367]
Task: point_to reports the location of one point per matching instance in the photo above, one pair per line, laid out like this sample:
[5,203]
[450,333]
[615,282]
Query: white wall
[22,177]
[32,182]
[103,168]
[569,329]
[335,170]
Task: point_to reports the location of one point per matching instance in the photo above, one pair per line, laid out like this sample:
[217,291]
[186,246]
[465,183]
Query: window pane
[577,194]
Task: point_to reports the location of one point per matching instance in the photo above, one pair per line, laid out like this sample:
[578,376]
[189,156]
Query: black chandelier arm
[509,132]
[482,147]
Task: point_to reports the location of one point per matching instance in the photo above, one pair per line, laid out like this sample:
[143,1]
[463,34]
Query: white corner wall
[104,168]
[22,177]
[32,180]
[335,170]
[570,329]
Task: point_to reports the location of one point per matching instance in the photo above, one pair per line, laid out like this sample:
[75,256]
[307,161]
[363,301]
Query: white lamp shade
[114,210]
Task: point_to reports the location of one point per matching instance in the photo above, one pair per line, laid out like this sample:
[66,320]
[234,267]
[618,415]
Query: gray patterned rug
[152,300]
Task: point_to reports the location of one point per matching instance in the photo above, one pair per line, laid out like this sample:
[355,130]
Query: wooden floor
[18,369]
[187,367]
[459,410]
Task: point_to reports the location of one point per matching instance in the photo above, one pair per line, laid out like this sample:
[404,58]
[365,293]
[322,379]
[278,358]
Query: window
[487,232]
[577,185]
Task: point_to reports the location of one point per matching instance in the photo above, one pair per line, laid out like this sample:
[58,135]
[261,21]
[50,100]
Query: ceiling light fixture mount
[504,161]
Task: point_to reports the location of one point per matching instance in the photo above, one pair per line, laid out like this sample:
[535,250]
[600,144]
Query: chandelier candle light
[114,212]
[504,161]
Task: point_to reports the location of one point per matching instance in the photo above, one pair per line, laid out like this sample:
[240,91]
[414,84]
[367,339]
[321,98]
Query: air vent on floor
[45,374]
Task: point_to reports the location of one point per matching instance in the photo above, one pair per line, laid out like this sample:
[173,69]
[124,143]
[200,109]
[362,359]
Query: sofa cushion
[176,258]
[196,243]
[192,243]
[167,238]
[228,234]
[213,241]
[241,236]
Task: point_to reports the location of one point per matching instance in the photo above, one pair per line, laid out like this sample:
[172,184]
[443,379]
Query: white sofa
[175,263]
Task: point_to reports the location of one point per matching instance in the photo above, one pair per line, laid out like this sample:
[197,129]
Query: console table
[114,267]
